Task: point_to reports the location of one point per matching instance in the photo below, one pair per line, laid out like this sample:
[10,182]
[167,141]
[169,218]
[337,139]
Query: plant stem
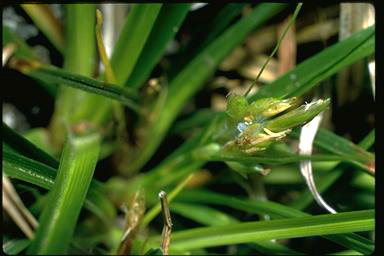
[79,58]
[298,7]
[59,217]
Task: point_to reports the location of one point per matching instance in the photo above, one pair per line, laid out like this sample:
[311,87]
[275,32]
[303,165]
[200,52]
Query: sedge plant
[131,123]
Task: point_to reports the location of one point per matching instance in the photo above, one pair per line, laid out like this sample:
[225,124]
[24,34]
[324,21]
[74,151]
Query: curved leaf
[53,75]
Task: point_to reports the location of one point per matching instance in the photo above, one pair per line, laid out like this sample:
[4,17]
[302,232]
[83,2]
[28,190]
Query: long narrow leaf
[275,229]
[23,168]
[202,214]
[204,35]
[352,241]
[59,216]
[166,25]
[27,148]
[211,217]
[134,34]
[222,20]
[53,75]
[23,51]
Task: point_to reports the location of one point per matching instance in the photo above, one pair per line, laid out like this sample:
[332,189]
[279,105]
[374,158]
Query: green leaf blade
[23,168]
[53,75]
[165,27]
[202,214]
[59,217]
[351,241]
[134,34]
[275,229]
[25,147]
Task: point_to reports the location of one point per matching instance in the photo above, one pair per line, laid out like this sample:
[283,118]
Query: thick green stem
[59,217]
[79,58]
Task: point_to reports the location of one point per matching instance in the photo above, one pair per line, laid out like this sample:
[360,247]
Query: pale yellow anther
[278,134]
[247,119]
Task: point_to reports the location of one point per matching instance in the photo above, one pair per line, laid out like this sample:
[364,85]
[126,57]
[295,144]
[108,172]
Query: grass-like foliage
[159,97]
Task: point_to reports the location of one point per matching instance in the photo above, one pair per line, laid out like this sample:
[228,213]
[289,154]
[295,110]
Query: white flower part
[197,6]
[308,105]
[276,134]
[307,137]
[371,68]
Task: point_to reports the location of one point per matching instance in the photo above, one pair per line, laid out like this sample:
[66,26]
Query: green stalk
[79,58]
[59,217]
[164,29]
[80,54]
[137,28]
[297,10]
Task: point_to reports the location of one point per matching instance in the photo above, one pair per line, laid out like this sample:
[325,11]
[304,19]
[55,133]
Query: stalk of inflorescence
[298,7]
